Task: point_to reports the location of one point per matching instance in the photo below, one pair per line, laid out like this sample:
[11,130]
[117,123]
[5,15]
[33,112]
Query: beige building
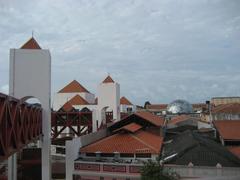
[224,100]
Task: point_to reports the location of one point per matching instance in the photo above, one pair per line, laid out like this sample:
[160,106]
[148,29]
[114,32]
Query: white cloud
[157,50]
[4,89]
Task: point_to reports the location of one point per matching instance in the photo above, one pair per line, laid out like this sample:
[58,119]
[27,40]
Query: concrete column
[12,167]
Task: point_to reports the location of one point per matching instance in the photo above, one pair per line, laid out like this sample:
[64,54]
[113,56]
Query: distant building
[106,107]
[121,153]
[224,100]
[229,135]
[229,111]
[162,109]
[193,149]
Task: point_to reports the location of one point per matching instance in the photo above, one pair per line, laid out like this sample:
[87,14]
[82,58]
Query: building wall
[221,116]
[224,100]
[131,171]
[109,96]
[123,108]
[30,75]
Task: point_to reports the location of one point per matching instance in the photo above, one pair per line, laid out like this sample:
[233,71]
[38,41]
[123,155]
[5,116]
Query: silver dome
[179,106]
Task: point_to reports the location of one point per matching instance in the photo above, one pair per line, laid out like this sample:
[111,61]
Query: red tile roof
[233,108]
[228,129]
[154,119]
[157,106]
[31,44]
[132,127]
[140,142]
[235,150]
[179,118]
[108,79]
[125,101]
[67,107]
[73,86]
[78,100]
[199,105]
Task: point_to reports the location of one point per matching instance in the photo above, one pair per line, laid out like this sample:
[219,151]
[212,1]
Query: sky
[157,50]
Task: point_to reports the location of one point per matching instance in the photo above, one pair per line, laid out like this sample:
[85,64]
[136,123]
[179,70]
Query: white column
[12,167]
[46,145]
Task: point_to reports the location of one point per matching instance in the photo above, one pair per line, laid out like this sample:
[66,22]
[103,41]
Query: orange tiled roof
[157,106]
[73,86]
[132,127]
[233,108]
[108,79]
[228,129]
[235,150]
[78,100]
[140,142]
[125,101]
[199,105]
[31,44]
[154,119]
[67,107]
[179,118]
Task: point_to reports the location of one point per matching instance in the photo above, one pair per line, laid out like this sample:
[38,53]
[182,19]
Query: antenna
[32,33]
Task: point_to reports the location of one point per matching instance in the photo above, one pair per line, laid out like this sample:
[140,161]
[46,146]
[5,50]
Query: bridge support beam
[12,167]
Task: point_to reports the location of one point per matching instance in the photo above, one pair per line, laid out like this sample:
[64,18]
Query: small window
[143,155]
[107,155]
[91,154]
[126,155]
[129,109]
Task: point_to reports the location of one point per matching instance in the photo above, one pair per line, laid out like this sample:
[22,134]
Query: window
[126,155]
[143,155]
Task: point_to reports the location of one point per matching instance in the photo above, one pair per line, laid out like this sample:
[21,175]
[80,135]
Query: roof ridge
[143,142]
[73,86]
[31,44]
[108,79]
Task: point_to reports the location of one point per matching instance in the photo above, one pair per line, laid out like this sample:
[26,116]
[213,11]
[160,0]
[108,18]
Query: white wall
[73,146]
[30,75]
[61,98]
[109,96]
[123,108]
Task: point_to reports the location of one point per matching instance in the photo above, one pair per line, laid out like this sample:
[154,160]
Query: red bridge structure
[20,124]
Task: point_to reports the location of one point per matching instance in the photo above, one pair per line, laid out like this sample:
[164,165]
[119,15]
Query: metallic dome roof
[179,106]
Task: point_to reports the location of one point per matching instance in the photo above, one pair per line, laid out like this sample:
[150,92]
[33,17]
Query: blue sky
[157,50]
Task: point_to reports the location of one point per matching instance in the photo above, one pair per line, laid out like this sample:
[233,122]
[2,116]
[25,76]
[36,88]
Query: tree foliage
[155,171]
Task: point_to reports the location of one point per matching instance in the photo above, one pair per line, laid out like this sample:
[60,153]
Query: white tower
[30,75]
[108,99]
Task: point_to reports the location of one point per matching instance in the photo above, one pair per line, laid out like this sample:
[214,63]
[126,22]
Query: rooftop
[31,44]
[72,87]
[125,101]
[192,147]
[108,79]
[228,129]
[138,142]
[233,108]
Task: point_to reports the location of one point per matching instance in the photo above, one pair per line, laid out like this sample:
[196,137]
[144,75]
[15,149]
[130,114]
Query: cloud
[4,89]
[157,50]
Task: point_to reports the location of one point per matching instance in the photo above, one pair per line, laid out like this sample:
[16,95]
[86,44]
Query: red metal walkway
[20,124]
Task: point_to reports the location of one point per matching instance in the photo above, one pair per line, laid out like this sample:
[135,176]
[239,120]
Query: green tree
[155,171]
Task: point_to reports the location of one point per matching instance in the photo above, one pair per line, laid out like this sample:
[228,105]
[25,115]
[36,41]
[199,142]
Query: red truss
[79,123]
[20,124]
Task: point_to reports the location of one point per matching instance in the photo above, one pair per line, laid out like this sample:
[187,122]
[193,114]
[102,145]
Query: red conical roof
[31,44]
[73,86]
[78,100]
[108,80]
[125,101]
